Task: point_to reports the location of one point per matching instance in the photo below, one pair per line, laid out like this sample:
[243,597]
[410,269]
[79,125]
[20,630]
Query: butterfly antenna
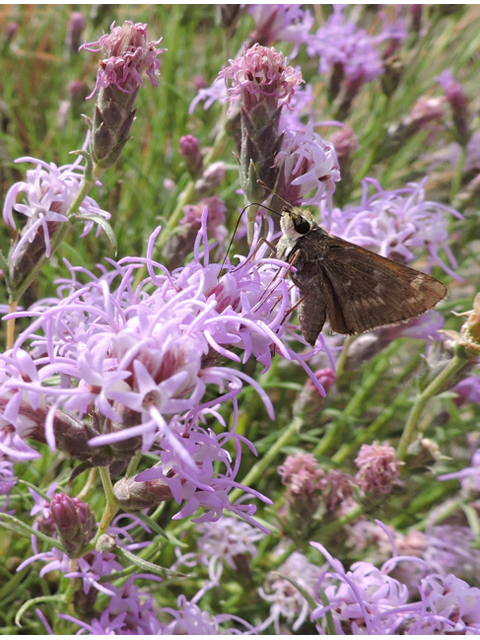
[274,194]
[238,224]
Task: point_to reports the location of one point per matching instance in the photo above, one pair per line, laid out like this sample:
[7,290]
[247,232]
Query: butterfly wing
[361,289]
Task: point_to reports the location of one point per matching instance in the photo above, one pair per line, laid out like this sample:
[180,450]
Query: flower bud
[75,27]
[459,103]
[212,177]
[190,149]
[135,496]
[74,521]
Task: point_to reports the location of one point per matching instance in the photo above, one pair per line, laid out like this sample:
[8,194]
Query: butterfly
[354,288]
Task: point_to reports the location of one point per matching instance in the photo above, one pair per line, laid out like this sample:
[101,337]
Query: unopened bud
[75,27]
[459,103]
[393,71]
[212,177]
[190,150]
[74,522]
[135,496]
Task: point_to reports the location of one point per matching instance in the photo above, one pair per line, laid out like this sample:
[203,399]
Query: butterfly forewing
[372,291]
[354,288]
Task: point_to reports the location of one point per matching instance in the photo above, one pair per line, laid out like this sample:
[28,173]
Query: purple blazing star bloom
[49,192]
[129,611]
[113,369]
[285,22]
[129,55]
[189,619]
[367,600]
[306,163]
[262,73]
[396,223]
[452,549]
[225,541]
[453,600]
[341,44]
[287,601]
[217,92]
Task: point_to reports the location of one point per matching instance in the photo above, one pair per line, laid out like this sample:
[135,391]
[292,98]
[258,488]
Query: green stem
[456,364]
[111,508]
[458,174]
[366,435]
[357,401]
[332,527]
[343,356]
[264,463]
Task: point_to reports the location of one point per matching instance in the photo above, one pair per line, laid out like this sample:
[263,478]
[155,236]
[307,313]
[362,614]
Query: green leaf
[144,565]
[25,530]
[104,224]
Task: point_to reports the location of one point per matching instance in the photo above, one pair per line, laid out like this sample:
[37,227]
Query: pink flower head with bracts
[129,55]
[261,73]
[379,467]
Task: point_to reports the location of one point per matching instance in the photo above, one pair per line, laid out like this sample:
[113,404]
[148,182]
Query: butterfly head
[296,223]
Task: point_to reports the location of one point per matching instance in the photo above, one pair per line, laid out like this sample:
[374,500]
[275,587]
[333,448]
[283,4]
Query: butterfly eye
[302,226]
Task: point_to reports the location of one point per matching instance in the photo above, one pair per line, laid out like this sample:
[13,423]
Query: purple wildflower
[217,92]
[307,163]
[287,601]
[91,568]
[285,22]
[129,55]
[396,223]
[467,390]
[227,541]
[452,549]
[190,150]
[301,473]
[451,598]
[75,27]
[129,611]
[260,84]
[49,191]
[7,482]
[367,600]
[344,48]
[470,476]
[459,103]
[113,369]
[261,74]
[189,619]
[41,510]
